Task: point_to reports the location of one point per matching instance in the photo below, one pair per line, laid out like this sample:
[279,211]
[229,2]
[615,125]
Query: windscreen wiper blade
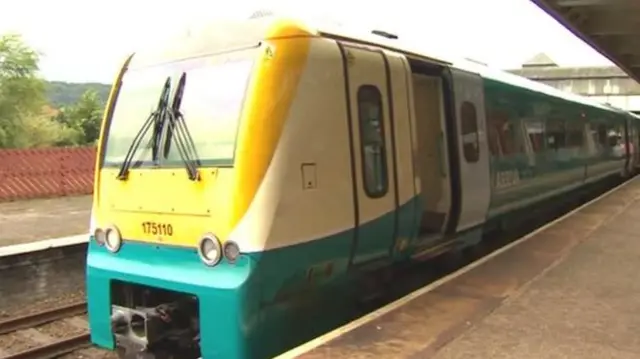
[154,120]
[177,126]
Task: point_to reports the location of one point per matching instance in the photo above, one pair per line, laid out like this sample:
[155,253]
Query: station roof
[611,27]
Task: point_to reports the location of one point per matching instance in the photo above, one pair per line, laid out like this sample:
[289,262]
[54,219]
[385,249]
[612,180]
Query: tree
[88,112]
[22,98]
[84,118]
[21,92]
[24,121]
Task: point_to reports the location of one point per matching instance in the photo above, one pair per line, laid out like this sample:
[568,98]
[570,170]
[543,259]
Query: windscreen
[211,104]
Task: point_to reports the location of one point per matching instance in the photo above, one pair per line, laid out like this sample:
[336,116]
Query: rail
[53,349]
[56,347]
[42,317]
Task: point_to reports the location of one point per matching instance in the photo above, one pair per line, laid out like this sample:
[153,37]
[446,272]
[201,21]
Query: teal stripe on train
[263,304]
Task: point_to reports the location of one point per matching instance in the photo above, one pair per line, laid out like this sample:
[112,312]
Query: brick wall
[46,172]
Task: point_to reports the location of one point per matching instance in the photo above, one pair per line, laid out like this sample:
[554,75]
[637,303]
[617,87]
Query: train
[257,179]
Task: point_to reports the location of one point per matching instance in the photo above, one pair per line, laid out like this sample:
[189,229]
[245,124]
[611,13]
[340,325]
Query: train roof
[393,44]
[524,83]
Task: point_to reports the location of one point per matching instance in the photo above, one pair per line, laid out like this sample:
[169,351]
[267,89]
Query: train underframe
[152,323]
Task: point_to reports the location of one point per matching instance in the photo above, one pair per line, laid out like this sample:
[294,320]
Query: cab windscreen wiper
[178,131]
[154,120]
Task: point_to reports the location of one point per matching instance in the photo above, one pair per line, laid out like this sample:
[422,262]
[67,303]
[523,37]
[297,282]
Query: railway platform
[42,252]
[24,222]
[568,290]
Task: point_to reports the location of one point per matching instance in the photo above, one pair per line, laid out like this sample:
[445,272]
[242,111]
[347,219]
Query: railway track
[53,347]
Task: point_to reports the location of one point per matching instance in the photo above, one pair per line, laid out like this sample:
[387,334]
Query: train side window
[499,119]
[470,138]
[372,141]
[615,136]
[602,137]
[535,131]
[556,134]
[575,133]
[492,136]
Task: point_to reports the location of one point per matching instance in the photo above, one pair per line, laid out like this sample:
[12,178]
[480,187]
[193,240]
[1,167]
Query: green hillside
[68,93]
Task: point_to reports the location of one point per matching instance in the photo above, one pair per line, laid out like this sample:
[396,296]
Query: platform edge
[41,245]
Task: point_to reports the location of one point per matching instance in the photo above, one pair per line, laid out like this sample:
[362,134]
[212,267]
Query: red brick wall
[46,172]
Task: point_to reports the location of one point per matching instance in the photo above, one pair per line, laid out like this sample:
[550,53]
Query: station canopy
[611,27]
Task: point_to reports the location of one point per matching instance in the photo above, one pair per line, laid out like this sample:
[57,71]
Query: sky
[87,40]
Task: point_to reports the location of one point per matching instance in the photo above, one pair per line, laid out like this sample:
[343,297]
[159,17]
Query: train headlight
[210,250]
[231,251]
[100,236]
[113,240]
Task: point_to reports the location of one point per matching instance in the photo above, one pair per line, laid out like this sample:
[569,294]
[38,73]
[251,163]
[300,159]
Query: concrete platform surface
[40,219]
[586,307]
[568,290]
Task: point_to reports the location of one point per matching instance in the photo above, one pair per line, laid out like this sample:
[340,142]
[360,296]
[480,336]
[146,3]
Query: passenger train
[254,176]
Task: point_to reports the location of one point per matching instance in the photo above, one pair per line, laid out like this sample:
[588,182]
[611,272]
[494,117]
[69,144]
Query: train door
[473,150]
[432,162]
[405,142]
[372,144]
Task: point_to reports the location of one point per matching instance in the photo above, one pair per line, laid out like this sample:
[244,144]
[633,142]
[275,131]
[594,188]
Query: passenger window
[470,138]
[602,137]
[615,136]
[507,137]
[372,140]
[494,142]
[535,131]
[575,133]
[556,134]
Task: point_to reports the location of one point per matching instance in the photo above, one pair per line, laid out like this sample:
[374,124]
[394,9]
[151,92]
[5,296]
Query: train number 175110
[154,228]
